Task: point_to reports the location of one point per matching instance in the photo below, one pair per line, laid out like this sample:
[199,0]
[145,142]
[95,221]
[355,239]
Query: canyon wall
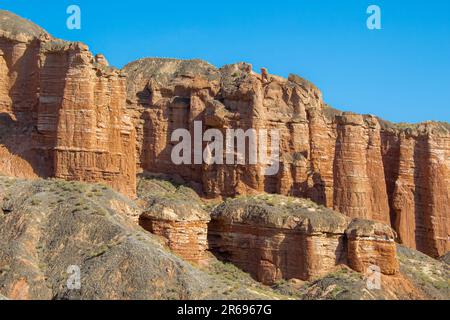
[417,162]
[64,113]
[359,165]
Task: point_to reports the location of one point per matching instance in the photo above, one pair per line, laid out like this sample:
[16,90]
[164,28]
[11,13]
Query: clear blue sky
[401,73]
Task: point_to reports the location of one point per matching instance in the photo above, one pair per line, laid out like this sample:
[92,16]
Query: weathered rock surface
[429,276]
[358,165]
[276,237]
[446,258]
[175,214]
[48,226]
[62,111]
[418,178]
[371,244]
[420,278]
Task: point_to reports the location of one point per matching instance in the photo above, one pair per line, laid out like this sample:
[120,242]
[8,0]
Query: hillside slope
[49,225]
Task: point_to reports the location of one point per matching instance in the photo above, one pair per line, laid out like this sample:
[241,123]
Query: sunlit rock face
[174,212]
[356,164]
[275,238]
[62,112]
[65,113]
[371,244]
[418,179]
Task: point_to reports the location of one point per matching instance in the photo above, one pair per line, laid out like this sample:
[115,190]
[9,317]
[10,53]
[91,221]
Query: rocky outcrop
[358,165]
[65,113]
[175,214]
[371,244]
[276,237]
[51,229]
[420,278]
[418,163]
[62,111]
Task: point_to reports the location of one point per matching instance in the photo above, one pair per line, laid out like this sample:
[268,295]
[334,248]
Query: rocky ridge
[50,225]
[65,113]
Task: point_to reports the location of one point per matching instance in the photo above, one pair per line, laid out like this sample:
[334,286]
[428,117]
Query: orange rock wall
[418,180]
[62,115]
[348,162]
[363,253]
[188,239]
[273,254]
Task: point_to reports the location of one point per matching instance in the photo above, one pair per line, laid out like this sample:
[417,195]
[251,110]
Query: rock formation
[418,180]
[276,237]
[371,244]
[359,165]
[177,217]
[64,113]
[50,227]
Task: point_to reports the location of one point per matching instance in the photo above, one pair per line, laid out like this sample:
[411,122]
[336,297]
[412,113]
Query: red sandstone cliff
[64,113]
[62,110]
[274,237]
[358,165]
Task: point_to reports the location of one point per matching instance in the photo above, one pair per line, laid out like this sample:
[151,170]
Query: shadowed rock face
[64,113]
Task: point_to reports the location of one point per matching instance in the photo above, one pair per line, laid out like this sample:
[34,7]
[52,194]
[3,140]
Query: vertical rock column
[359,182]
[95,140]
[323,144]
[421,195]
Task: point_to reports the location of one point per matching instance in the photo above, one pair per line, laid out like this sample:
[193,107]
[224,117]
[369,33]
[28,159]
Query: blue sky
[401,73]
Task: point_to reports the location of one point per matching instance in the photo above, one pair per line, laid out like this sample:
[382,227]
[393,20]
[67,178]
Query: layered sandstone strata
[276,237]
[175,214]
[62,111]
[371,244]
[359,188]
[184,229]
[418,180]
[358,165]
[45,234]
